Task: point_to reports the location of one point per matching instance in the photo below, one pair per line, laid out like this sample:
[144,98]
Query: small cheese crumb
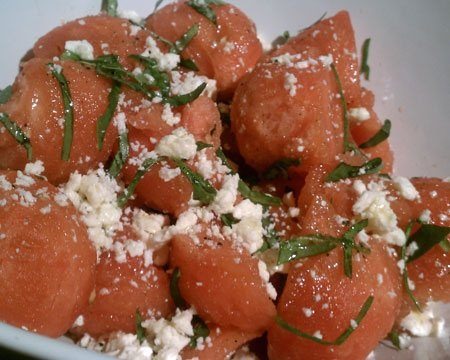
[82,48]
[179,144]
[359,114]
[405,188]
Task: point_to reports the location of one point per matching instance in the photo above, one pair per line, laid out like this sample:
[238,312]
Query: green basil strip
[203,7]
[426,238]
[270,237]
[5,94]
[445,245]
[349,244]
[140,331]
[200,328]
[257,197]
[405,269]
[189,64]
[184,41]
[379,137]
[184,99]
[68,111]
[121,156]
[17,133]
[104,120]
[129,191]
[365,68]
[280,168]
[223,158]
[228,219]
[175,290]
[394,337]
[202,145]
[157,5]
[341,339]
[305,246]
[203,190]
[109,7]
[344,171]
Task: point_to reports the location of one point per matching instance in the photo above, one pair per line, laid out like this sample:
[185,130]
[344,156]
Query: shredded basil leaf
[17,133]
[184,99]
[270,236]
[175,290]
[315,22]
[157,5]
[201,145]
[393,336]
[365,68]
[200,328]
[405,269]
[109,7]
[348,241]
[348,144]
[185,39]
[223,158]
[257,197]
[140,331]
[305,246]
[344,171]
[5,94]
[203,190]
[121,156]
[445,245]
[203,7]
[128,192]
[228,219]
[426,238]
[104,120]
[379,137]
[189,64]
[279,168]
[68,111]
[341,339]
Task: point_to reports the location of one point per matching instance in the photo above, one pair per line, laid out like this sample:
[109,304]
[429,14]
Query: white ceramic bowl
[409,59]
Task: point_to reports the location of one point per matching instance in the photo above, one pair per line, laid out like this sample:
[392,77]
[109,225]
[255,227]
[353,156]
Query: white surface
[409,59]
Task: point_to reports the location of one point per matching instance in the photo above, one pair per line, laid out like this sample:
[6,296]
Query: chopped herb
[203,7]
[257,197]
[175,290]
[228,219]
[270,237]
[5,94]
[316,22]
[426,237]
[394,337]
[159,78]
[201,145]
[184,99]
[185,39]
[365,68]
[344,171]
[405,269]
[121,156]
[140,331]
[158,3]
[348,144]
[281,40]
[223,158]
[128,192]
[203,190]
[384,175]
[189,64]
[109,7]
[104,120]
[279,168]
[305,246]
[17,133]
[445,245]
[314,244]
[341,339]
[200,328]
[379,137]
[68,111]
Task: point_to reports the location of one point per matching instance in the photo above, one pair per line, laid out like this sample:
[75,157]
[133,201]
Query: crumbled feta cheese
[226,197]
[359,114]
[265,276]
[179,144]
[23,180]
[405,188]
[166,62]
[290,81]
[36,168]
[167,173]
[374,206]
[425,216]
[184,83]
[131,15]
[169,117]
[424,323]
[307,311]
[82,48]
[326,60]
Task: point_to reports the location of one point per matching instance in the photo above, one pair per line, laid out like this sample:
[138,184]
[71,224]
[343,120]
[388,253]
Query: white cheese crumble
[169,117]
[405,188]
[95,196]
[82,48]
[265,276]
[131,15]
[36,168]
[424,323]
[373,205]
[166,62]
[359,114]
[184,83]
[290,81]
[226,197]
[179,144]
